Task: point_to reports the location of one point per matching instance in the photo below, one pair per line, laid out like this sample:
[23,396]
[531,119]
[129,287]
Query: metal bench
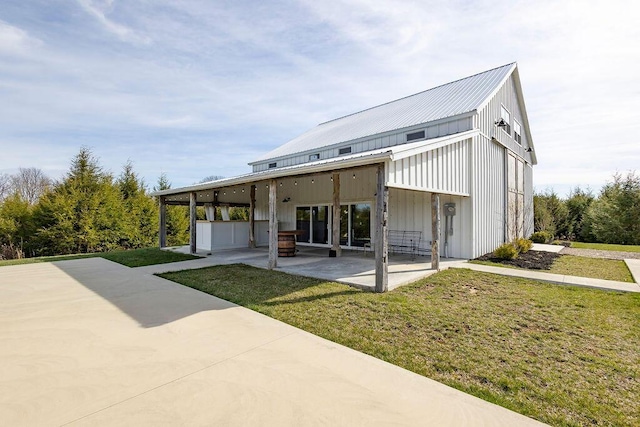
[404,242]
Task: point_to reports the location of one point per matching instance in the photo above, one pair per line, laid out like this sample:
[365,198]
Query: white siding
[488,115]
[411,211]
[443,170]
[528,199]
[487,195]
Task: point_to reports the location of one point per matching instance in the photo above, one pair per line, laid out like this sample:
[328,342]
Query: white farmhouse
[444,172]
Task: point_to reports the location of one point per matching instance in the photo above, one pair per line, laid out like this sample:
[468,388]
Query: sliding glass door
[355,224]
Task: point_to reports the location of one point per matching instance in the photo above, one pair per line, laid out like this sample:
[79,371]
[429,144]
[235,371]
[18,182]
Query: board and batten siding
[488,194]
[443,170]
[487,116]
[435,130]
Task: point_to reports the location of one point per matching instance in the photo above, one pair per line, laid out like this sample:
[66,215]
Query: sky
[195,88]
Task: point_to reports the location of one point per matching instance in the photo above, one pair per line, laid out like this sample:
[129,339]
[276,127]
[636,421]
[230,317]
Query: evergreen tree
[141,212]
[177,217]
[16,223]
[82,213]
[615,216]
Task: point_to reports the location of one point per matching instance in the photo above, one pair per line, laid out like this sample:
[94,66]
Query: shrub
[506,251]
[522,245]
[541,237]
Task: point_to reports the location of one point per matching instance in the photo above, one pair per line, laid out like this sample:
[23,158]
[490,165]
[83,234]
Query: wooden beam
[382,232]
[435,231]
[252,219]
[192,222]
[163,223]
[273,225]
[335,226]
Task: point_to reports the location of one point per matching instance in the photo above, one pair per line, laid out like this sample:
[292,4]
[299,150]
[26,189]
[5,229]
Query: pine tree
[82,213]
[141,211]
[177,217]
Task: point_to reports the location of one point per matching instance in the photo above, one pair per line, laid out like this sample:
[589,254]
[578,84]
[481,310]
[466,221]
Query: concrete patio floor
[354,267]
[91,342]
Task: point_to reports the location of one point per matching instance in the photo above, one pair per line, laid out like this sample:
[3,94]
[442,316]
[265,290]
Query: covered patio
[354,267]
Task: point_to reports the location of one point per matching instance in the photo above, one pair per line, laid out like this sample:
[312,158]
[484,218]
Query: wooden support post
[163,222]
[192,222]
[435,231]
[252,219]
[335,225]
[382,232]
[273,225]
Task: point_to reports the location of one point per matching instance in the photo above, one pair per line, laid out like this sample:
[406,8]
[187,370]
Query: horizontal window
[345,150]
[313,157]
[415,135]
[272,165]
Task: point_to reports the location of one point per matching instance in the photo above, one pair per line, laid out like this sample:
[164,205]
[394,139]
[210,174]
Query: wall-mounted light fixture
[528,150]
[354,176]
[312,180]
[286,200]
[502,123]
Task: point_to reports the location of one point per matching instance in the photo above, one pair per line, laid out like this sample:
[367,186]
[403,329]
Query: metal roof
[448,100]
[331,164]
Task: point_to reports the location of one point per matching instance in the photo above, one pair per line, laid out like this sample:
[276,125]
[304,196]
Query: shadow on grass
[247,286]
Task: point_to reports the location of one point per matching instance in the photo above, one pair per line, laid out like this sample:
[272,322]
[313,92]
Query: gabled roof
[448,100]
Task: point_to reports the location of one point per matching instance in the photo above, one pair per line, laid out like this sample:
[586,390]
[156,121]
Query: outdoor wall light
[354,176]
[313,181]
[286,199]
[295,182]
[528,150]
[502,123]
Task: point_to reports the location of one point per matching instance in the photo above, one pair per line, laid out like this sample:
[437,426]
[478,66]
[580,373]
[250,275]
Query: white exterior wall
[443,170]
[212,235]
[488,193]
[411,211]
[446,127]
[528,200]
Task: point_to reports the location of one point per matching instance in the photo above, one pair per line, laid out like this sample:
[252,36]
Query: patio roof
[326,165]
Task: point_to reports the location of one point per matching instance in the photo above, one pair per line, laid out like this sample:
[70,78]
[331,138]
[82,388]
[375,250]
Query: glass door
[355,224]
[320,224]
[303,217]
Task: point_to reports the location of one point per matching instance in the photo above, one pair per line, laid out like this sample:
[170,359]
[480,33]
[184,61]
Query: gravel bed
[595,253]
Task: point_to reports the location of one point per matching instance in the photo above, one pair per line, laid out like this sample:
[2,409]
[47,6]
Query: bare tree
[5,186]
[30,184]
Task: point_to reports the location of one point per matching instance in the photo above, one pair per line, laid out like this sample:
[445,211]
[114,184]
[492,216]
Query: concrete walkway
[90,342]
[556,278]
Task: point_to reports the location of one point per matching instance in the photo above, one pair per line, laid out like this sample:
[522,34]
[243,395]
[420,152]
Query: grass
[570,265]
[566,356]
[131,258]
[605,247]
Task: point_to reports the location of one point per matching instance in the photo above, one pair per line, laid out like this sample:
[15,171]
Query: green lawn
[570,265]
[605,247]
[132,258]
[563,355]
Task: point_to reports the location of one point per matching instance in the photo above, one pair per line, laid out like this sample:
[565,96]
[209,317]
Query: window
[517,132]
[415,135]
[313,157]
[504,114]
[273,165]
[345,150]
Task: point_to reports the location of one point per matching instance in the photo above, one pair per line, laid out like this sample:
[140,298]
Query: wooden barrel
[286,245]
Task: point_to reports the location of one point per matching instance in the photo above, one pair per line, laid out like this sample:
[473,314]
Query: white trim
[427,190]
[399,152]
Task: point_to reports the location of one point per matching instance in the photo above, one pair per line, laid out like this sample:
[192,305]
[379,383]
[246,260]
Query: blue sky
[197,88]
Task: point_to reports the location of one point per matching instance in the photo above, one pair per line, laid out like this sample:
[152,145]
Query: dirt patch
[533,260]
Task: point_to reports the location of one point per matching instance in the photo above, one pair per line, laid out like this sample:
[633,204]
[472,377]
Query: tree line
[613,216]
[88,210]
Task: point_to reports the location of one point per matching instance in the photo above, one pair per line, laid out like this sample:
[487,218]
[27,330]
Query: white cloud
[99,9]
[204,86]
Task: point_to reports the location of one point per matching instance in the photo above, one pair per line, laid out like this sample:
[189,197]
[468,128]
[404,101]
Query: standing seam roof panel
[451,99]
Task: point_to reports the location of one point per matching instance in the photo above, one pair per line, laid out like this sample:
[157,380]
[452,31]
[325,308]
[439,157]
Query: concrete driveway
[90,342]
